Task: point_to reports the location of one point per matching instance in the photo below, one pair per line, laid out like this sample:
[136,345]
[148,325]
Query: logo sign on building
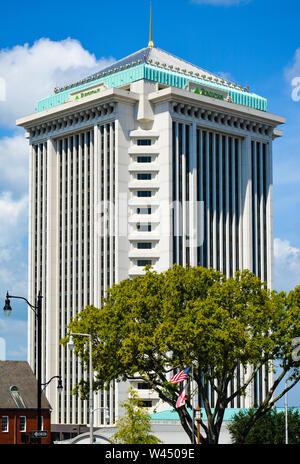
[207,91]
[87,92]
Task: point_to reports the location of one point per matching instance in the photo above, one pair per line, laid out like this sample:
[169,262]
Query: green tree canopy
[268,429]
[134,427]
[160,322]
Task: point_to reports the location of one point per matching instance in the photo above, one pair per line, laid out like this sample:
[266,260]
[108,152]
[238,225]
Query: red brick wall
[14,436]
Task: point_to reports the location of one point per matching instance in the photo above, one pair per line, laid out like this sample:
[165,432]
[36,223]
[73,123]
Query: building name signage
[209,93]
[86,94]
[83,93]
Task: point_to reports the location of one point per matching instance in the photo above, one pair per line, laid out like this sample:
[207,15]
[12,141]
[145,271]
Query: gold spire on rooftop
[150,44]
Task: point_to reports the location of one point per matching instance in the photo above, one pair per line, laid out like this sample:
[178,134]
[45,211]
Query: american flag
[182,397]
[180,376]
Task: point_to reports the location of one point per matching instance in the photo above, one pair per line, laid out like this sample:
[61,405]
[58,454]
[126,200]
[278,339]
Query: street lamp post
[106,409]
[198,419]
[91,408]
[37,309]
[59,383]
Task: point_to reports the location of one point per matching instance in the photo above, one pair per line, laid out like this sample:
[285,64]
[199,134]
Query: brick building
[18,404]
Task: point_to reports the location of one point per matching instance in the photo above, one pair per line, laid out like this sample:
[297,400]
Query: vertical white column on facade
[183,219]
[63,274]
[240,262]
[118,226]
[248,398]
[44,259]
[91,216]
[85,218]
[214,202]
[96,215]
[31,250]
[101,210]
[261,211]
[234,212]
[194,231]
[96,253]
[269,228]
[74,227]
[207,201]
[104,404]
[105,208]
[221,210]
[177,204]
[227,215]
[254,206]
[52,268]
[58,277]
[80,243]
[74,263]
[92,209]
[38,230]
[69,201]
[201,209]
[246,169]
[111,205]
[111,402]
[85,239]
[269,214]
[247,203]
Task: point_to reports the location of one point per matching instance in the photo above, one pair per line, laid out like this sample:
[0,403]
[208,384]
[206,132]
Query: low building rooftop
[18,386]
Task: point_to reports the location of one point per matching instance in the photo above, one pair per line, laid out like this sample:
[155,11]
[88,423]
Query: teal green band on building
[159,75]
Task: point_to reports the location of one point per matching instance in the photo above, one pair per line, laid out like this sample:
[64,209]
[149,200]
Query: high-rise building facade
[150,161]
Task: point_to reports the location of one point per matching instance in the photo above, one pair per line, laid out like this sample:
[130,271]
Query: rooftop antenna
[150,44]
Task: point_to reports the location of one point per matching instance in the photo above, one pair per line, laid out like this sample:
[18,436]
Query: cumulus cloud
[29,73]
[13,339]
[286,265]
[14,162]
[13,249]
[293,69]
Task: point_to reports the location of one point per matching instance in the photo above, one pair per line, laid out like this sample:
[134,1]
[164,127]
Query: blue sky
[43,44]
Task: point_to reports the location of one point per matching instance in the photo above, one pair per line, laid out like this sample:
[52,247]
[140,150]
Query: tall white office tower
[151,160]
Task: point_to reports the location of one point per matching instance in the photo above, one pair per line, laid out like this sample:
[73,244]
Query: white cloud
[221,2]
[293,70]
[13,238]
[286,265]
[13,333]
[225,75]
[31,73]
[14,162]
[27,74]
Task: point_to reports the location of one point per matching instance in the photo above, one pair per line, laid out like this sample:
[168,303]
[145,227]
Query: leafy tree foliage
[134,427]
[268,429]
[160,322]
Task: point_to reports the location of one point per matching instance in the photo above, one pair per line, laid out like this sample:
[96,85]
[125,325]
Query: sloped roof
[156,65]
[18,386]
[152,55]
